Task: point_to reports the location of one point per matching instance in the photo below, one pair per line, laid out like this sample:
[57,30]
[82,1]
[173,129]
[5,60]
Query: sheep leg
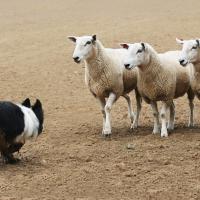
[156,128]
[170,125]
[191,118]
[163,115]
[103,103]
[138,109]
[130,110]
[111,99]
[191,105]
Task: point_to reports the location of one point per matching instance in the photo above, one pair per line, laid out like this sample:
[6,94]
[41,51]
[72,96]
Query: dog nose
[126,65]
[76,59]
[181,61]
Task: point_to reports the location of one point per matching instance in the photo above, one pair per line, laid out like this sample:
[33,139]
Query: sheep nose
[76,59]
[126,65]
[181,61]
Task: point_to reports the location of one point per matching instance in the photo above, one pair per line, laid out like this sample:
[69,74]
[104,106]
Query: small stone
[103,155]
[107,169]
[161,146]
[88,159]
[89,144]
[130,146]
[150,159]
[121,166]
[181,159]
[147,171]
[44,162]
[195,155]
[128,174]
[166,162]
[71,156]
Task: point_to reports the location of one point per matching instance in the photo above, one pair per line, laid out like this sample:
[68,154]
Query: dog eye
[88,42]
[139,51]
[194,47]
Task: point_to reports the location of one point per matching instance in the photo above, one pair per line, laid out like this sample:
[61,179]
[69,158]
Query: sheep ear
[27,103]
[94,38]
[179,41]
[124,45]
[143,46]
[72,38]
[198,44]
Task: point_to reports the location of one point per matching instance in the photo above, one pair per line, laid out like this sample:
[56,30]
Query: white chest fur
[31,125]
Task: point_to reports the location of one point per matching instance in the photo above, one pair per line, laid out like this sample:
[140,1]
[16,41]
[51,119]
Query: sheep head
[190,52]
[84,47]
[137,55]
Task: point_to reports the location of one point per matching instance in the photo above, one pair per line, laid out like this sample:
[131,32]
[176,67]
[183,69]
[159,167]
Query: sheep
[105,77]
[190,54]
[160,78]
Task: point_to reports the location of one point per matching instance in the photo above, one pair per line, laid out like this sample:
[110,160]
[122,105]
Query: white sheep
[106,77]
[160,78]
[190,55]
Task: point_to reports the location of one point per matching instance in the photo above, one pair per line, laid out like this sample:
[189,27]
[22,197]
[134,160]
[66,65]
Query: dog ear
[27,103]
[37,104]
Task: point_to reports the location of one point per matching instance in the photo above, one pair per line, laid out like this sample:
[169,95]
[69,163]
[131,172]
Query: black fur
[37,109]
[143,46]
[12,125]
[94,38]
[11,120]
[27,103]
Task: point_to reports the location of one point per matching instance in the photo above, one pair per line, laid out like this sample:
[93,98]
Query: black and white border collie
[18,123]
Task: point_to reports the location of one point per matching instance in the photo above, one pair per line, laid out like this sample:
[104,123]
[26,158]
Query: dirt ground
[70,160]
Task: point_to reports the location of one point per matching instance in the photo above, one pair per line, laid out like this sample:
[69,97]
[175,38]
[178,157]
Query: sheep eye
[194,47]
[88,42]
[139,51]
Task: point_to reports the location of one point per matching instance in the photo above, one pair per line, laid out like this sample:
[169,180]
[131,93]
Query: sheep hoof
[106,133]
[156,131]
[170,128]
[134,126]
[164,134]
[190,125]
[106,136]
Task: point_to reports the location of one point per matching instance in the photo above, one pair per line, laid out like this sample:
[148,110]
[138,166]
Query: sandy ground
[71,160]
